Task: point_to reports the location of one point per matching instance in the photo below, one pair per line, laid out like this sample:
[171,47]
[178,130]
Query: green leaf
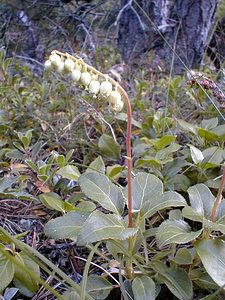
[177,280]
[201,200]
[143,288]
[202,279]
[123,117]
[164,141]
[175,214]
[183,257]
[196,154]
[86,206]
[98,287]
[212,254]
[67,226]
[150,161]
[175,167]
[109,147]
[7,182]
[207,135]
[219,130]
[114,171]
[166,153]
[71,295]
[6,271]
[32,166]
[53,201]
[213,155]
[6,64]
[99,188]
[179,182]
[190,213]
[209,124]
[145,187]
[114,250]
[100,226]
[70,172]
[97,165]
[69,155]
[22,280]
[3,142]
[60,159]
[148,195]
[178,232]
[187,126]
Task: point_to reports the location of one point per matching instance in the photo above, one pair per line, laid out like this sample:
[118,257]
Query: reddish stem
[129,124]
[218,198]
[129,159]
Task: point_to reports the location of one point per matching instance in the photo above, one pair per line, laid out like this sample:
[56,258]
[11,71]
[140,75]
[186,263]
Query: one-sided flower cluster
[92,80]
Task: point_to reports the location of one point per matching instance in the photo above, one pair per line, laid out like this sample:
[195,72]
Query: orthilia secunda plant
[106,89]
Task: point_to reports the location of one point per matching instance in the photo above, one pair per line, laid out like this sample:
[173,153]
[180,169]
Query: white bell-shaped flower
[117,107]
[85,78]
[75,75]
[60,67]
[94,87]
[105,89]
[69,65]
[48,65]
[55,59]
[114,97]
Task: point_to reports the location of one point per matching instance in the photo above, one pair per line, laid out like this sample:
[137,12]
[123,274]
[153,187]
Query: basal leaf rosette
[97,84]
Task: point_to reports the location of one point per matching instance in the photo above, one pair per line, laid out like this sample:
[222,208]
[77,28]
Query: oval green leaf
[176,231]
[100,226]
[176,279]
[69,172]
[143,288]
[109,147]
[212,254]
[99,188]
[6,272]
[67,226]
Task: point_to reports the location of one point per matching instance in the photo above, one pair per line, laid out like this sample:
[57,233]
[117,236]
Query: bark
[134,31]
[184,25]
[216,48]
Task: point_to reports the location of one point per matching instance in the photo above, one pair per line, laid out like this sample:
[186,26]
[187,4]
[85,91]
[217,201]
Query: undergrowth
[64,213]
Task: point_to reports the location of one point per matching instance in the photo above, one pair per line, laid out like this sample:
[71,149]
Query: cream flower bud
[94,77]
[55,59]
[118,106]
[75,75]
[69,64]
[114,98]
[105,89]
[48,65]
[60,67]
[77,66]
[94,87]
[85,78]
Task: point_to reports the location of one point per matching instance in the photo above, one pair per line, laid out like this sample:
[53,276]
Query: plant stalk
[131,240]
[129,124]
[218,198]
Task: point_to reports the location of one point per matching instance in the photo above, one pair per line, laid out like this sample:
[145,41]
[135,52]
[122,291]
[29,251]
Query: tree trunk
[216,47]
[134,30]
[164,26]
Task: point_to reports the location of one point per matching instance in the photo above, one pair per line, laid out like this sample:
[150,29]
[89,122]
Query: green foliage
[211,253]
[177,231]
[143,288]
[176,279]
[100,189]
